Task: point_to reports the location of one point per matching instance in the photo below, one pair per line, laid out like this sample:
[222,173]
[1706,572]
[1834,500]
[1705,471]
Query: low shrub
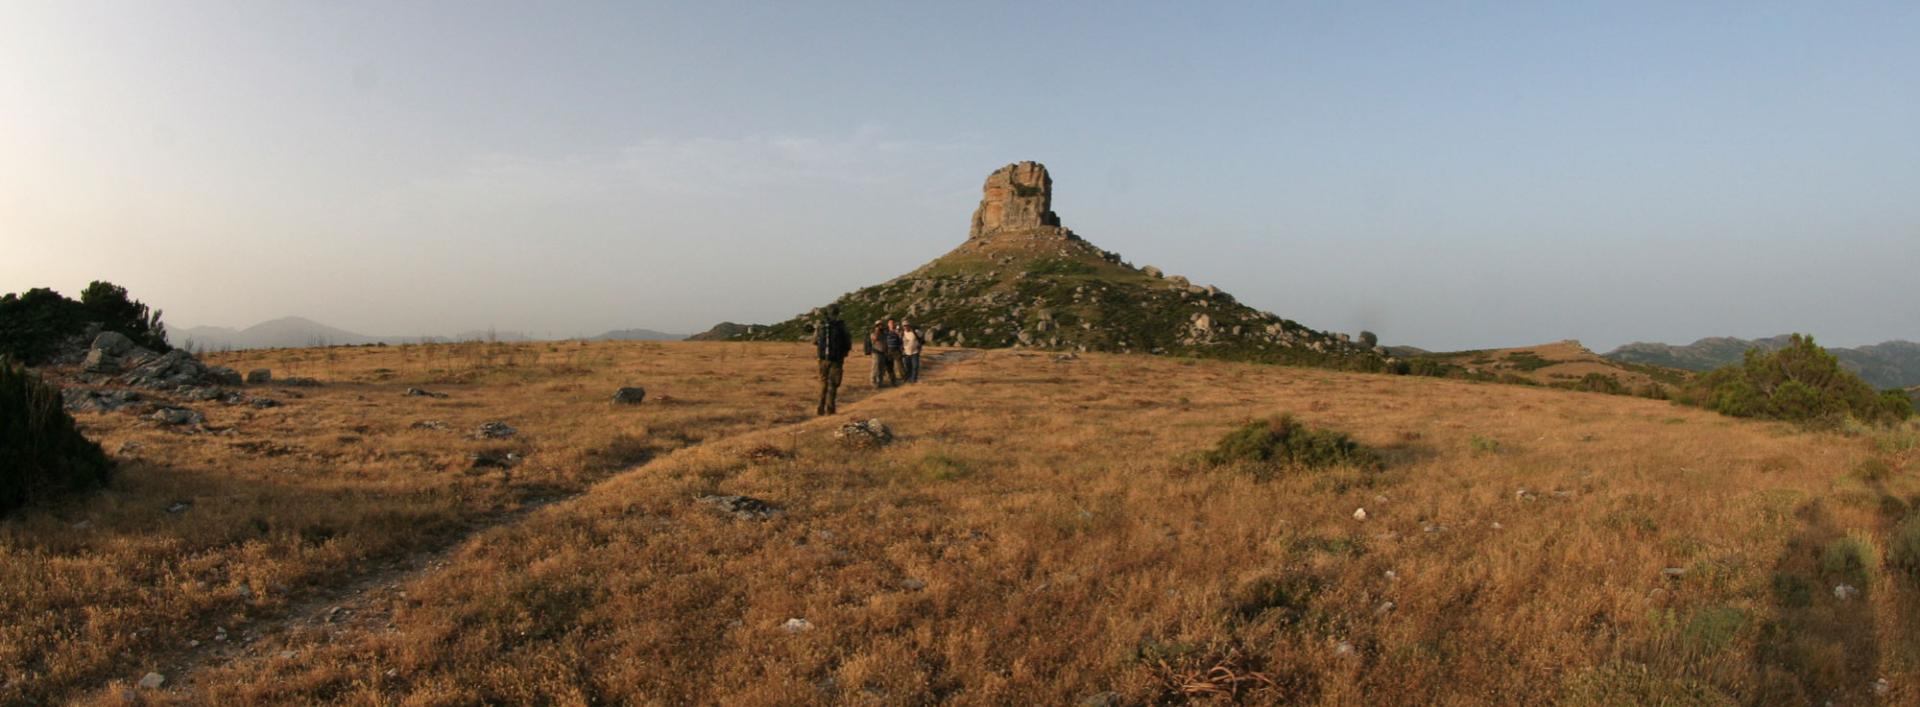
[1800,383]
[1854,558]
[42,454]
[1282,443]
[1903,546]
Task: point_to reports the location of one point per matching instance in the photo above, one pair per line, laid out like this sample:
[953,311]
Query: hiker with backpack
[831,343]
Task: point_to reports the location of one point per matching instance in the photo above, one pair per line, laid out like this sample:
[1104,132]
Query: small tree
[1801,382]
[42,453]
[109,304]
[1368,339]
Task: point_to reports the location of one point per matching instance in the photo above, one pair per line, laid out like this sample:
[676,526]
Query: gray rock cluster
[866,434]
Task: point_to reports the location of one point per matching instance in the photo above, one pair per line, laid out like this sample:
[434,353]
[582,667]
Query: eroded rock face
[1017,197]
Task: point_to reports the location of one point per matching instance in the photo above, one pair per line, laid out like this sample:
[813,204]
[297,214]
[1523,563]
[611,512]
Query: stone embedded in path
[496,430]
[864,434]
[742,507]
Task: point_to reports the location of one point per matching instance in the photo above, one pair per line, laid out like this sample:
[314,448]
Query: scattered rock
[1153,272]
[496,430]
[259,376]
[423,393]
[742,507]
[264,403]
[175,417]
[1844,592]
[150,681]
[179,507]
[864,434]
[1674,572]
[223,376]
[429,425]
[198,392]
[1881,687]
[494,460]
[629,395]
[913,584]
[1103,699]
[1343,648]
[297,382]
[99,361]
[112,343]
[796,625]
[1384,608]
[86,400]
[1360,514]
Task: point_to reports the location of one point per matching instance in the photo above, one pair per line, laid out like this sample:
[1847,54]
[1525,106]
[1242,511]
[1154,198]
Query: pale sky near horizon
[1449,175]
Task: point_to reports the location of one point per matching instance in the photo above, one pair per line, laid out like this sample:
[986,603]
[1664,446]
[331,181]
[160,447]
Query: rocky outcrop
[1017,197]
[1022,280]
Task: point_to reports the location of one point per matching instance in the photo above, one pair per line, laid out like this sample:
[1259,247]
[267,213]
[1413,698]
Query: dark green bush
[35,322]
[1283,443]
[42,454]
[1801,383]
[109,304]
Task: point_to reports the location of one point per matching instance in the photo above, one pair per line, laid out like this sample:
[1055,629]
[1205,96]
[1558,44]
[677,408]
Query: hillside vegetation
[1801,382]
[1564,364]
[1890,364]
[1043,529]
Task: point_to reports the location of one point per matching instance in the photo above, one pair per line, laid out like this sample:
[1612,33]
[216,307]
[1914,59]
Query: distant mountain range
[1892,364]
[300,332]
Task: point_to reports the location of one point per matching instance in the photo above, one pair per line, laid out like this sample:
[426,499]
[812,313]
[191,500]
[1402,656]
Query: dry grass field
[1559,363]
[1040,532]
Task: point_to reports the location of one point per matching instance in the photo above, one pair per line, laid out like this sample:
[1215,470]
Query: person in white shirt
[912,342]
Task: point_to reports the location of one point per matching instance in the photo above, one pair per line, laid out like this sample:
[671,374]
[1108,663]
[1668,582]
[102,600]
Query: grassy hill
[1034,284]
[1563,364]
[1042,531]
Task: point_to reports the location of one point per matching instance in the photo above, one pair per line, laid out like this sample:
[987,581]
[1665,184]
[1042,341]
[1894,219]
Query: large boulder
[222,375]
[100,361]
[112,342]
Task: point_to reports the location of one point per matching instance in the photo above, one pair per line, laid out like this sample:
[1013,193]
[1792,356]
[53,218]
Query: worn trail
[367,602]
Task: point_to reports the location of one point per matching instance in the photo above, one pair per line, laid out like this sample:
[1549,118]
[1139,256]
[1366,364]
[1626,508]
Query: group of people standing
[895,348]
[894,345]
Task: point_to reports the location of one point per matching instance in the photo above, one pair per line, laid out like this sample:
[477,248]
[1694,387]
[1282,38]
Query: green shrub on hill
[1801,383]
[42,454]
[35,322]
[1283,443]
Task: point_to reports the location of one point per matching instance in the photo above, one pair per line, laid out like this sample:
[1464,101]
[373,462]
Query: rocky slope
[1892,364]
[1021,279]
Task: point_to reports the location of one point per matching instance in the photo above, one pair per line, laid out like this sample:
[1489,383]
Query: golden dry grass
[1039,534]
[1566,362]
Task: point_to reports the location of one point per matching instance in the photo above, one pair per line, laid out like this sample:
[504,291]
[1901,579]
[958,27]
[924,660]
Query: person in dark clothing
[896,352]
[831,343]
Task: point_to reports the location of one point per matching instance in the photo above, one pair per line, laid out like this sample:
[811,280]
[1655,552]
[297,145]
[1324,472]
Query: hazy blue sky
[1449,175]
